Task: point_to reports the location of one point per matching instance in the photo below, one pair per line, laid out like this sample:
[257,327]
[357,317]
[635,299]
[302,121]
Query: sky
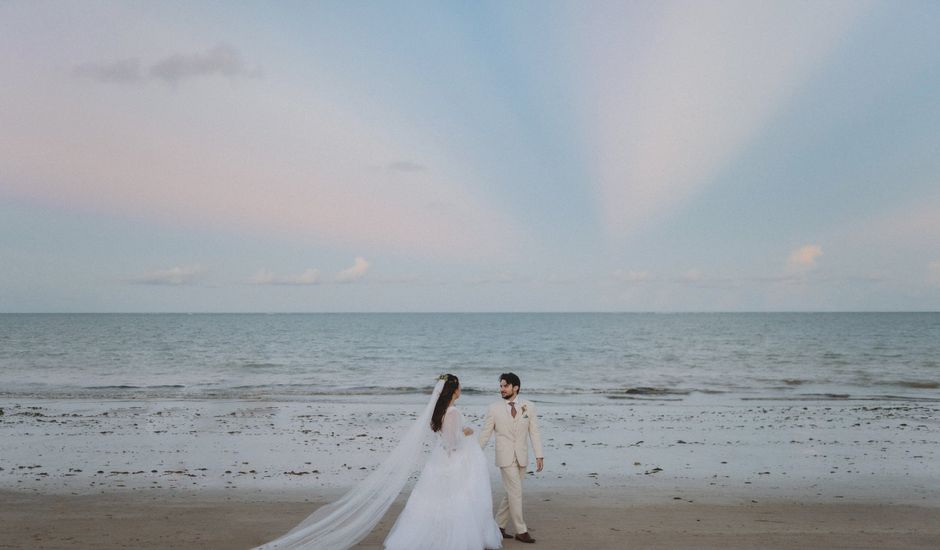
[469,156]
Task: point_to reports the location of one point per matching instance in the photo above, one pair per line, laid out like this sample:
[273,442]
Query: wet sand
[558,521]
[619,474]
[819,451]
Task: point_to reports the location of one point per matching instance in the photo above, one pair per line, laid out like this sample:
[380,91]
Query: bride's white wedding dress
[451,506]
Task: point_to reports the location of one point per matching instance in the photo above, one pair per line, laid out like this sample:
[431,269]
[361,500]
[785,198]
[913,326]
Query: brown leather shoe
[525,537]
[505,534]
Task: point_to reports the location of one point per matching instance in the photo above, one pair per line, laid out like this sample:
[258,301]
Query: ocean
[563,357]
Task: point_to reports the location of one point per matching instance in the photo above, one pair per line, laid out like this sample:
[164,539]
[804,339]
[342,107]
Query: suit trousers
[511,505]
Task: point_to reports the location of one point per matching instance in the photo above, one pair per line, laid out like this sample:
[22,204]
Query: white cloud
[174,276]
[804,257]
[263,277]
[266,277]
[357,271]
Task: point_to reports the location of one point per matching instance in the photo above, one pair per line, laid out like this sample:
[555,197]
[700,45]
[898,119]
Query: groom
[515,423]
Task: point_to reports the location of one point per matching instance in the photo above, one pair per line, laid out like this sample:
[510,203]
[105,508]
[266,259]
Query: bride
[450,507]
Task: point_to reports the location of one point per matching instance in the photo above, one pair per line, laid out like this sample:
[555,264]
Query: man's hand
[468,431]
[539,462]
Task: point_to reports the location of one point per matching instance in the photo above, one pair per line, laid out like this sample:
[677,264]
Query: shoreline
[237,473]
[814,452]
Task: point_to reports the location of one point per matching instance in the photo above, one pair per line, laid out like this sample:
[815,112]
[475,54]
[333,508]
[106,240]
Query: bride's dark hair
[451,383]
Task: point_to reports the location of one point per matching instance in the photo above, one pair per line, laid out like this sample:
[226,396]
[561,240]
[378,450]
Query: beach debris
[655,470]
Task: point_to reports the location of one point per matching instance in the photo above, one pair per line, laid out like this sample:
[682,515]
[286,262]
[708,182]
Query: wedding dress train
[450,507]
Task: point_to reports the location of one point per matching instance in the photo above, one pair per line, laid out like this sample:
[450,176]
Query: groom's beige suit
[512,454]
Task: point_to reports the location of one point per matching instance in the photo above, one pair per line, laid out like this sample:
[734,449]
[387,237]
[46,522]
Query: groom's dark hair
[511,379]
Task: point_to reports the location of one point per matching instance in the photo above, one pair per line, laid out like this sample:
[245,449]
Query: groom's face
[507,391]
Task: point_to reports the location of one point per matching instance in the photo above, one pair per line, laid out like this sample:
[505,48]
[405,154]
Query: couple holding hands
[451,506]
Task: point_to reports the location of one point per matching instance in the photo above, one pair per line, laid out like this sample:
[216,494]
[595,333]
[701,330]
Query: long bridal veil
[341,524]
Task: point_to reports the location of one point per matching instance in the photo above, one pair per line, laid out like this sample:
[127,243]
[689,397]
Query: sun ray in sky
[493,156]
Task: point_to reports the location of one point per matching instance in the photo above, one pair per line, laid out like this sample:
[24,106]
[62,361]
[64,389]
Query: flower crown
[443,377]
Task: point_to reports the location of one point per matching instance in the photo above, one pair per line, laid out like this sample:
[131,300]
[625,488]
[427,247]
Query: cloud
[301,157]
[405,166]
[221,60]
[357,271]
[267,277]
[933,272]
[804,257]
[123,71]
[174,276]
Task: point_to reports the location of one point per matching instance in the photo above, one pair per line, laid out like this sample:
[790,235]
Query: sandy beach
[639,474]
[559,521]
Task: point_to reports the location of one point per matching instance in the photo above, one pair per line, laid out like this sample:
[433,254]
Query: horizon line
[481,312]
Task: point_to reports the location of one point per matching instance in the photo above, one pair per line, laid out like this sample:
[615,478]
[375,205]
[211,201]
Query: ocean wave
[635,397]
[916,384]
[842,397]
[132,387]
[256,366]
[334,390]
[648,390]
[785,389]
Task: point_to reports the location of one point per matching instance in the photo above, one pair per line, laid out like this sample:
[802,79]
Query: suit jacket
[512,434]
